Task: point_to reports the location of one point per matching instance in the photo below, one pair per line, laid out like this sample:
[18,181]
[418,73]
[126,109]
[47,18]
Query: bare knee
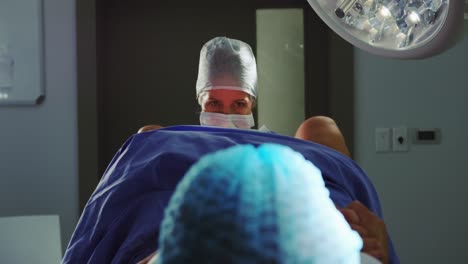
[323,130]
[315,127]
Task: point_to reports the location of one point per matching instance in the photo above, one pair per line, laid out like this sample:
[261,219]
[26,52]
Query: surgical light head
[227,64]
[404,29]
[249,204]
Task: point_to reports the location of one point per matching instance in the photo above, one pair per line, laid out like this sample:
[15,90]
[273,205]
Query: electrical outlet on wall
[400,140]
[382,139]
[6,68]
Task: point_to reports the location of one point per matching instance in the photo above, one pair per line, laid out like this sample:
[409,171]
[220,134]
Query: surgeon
[226,90]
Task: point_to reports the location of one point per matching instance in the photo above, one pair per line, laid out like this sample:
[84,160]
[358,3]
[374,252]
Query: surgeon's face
[227,102]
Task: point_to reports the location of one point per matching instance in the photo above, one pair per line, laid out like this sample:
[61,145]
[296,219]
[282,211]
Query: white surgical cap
[227,64]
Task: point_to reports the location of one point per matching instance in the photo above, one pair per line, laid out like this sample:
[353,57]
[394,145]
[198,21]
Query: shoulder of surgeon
[149,128]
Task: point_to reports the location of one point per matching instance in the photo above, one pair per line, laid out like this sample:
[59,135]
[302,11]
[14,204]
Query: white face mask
[229,121]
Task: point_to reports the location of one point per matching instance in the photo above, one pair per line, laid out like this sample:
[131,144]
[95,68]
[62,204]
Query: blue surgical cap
[249,204]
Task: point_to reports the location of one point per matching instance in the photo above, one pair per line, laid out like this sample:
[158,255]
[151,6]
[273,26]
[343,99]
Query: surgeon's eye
[240,104]
[212,104]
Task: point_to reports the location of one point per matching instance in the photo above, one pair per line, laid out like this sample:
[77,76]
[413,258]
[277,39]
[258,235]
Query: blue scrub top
[120,223]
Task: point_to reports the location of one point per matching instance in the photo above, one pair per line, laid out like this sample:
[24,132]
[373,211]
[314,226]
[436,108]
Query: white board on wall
[280,57]
[21,52]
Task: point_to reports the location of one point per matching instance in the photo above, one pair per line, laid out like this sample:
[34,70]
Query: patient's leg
[323,130]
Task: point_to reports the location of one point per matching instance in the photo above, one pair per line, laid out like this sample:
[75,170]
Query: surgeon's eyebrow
[241,101]
[212,98]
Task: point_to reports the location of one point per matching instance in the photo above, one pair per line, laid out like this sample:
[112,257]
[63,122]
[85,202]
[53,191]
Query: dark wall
[87,99]
[341,86]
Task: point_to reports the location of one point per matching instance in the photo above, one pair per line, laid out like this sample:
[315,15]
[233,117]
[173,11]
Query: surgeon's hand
[371,229]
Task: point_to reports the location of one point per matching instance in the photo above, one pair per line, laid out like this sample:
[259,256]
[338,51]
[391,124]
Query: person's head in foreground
[227,83]
[255,205]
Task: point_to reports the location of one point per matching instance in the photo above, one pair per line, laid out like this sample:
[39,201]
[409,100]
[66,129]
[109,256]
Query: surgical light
[405,29]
